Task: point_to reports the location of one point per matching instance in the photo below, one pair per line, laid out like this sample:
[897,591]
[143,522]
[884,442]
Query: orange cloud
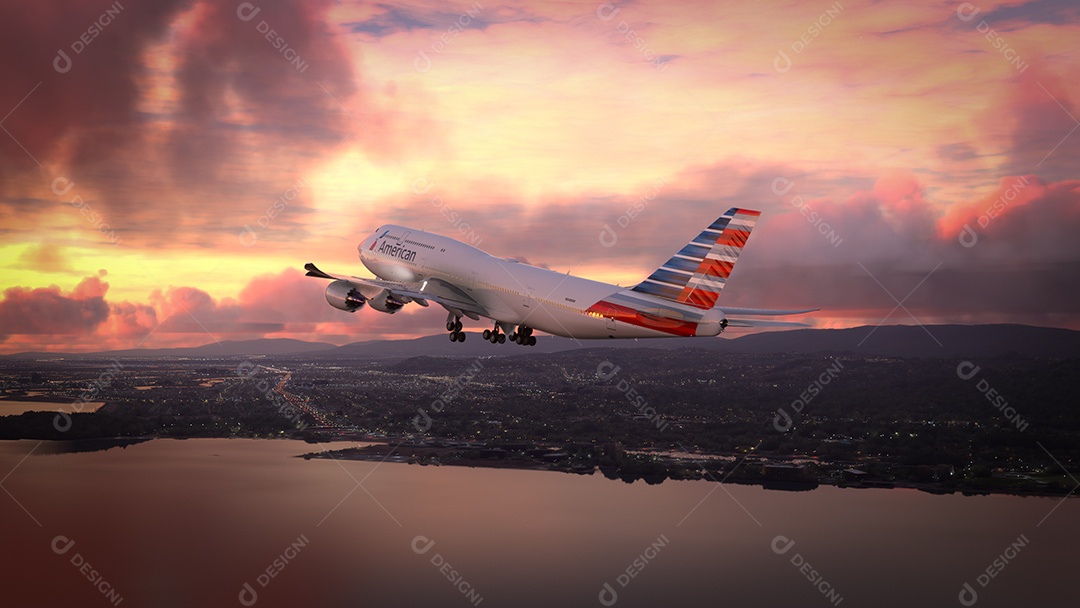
[1012,193]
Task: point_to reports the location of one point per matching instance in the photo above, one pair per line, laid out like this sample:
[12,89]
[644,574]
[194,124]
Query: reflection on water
[88,445]
[11,407]
[201,522]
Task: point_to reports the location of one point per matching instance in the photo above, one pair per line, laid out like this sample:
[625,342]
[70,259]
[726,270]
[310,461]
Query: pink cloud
[49,311]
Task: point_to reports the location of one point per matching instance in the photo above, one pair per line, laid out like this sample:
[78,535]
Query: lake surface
[190,523]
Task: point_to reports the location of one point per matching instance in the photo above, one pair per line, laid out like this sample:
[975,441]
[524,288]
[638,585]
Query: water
[189,523]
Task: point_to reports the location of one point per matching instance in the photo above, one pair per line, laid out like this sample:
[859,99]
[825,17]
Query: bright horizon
[168,169]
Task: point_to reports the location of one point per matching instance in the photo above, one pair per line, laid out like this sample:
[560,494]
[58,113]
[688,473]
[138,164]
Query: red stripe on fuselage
[626,314]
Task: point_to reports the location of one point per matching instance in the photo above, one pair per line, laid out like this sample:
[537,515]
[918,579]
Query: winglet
[313,271]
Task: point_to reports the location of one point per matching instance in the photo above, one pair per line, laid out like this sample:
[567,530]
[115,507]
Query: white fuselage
[514,293]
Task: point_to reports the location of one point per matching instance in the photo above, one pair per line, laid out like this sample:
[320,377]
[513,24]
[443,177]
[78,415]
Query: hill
[931,341]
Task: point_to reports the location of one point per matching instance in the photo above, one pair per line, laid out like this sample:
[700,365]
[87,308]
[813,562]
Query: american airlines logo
[397,251]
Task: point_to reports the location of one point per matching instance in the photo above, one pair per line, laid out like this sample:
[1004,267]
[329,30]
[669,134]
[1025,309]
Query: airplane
[678,299]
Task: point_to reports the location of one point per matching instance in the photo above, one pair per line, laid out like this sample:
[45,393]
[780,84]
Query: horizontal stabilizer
[765,312]
[764,323]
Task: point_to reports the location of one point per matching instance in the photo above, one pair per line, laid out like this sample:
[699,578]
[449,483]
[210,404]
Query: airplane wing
[443,293]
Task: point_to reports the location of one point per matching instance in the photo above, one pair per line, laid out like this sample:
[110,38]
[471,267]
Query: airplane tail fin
[697,273]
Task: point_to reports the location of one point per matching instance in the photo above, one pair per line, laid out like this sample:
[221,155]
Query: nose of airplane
[364,244]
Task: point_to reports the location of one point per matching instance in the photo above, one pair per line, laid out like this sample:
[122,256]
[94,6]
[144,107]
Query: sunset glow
[913,163]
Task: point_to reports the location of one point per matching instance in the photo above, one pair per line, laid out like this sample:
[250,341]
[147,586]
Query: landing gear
[453,325]
[523,336]
[494,335]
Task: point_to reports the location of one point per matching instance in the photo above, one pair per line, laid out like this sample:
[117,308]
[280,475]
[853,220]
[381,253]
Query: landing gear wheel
[449,326]
[532,341]
[487,334]
[501,338]
[460,336]
[513,337]
[453,336]
[457,325]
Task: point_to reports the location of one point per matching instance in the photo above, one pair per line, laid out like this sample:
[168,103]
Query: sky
[167,167]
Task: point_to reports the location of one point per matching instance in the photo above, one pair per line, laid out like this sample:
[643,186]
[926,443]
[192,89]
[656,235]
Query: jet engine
[386,302]
[343,296]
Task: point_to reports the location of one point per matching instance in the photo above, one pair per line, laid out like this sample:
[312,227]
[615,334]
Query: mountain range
[934,341]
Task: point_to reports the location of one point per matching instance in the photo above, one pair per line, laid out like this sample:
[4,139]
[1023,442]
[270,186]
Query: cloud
[1041,129]
[1021,268]
[129,323]
[1013,16]
[285,304]
[43,257]
[159,111]
[178,122]
[883,245]
[50,311]
[392,19]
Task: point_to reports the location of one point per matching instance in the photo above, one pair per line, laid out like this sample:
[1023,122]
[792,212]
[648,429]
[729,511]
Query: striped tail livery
[698,272]
[679,298]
